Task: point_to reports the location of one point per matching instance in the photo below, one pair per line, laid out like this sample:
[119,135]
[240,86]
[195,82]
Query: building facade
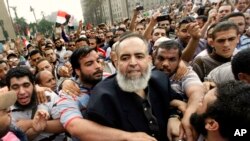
[115,11]
[6,26]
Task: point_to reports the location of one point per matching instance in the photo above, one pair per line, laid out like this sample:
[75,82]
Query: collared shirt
[152,121]
[201,46]
[244,42]
[189,79]
[19,113]
[73,107]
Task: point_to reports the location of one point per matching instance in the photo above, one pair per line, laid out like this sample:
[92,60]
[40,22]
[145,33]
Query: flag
[71,22]
[25,41]
[62,18]
[89,26]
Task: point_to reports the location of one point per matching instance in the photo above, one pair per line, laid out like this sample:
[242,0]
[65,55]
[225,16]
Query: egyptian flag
[62,18]
[89,26]
[71,23]
[25,42]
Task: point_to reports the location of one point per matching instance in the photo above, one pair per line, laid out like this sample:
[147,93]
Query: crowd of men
[180,76]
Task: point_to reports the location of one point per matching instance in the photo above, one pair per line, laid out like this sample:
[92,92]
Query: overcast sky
[73,7]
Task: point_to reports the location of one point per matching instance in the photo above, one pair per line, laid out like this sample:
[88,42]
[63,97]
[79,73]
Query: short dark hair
[186,20]
[233,14]
[158,27]
[121,29]
[39,61]
[78,54]
[231,109]
[2,61]
[33,52]
[224,26]
[19,72]
[241,63]
[82,39]
[11,55]
[170,44]
[203,18]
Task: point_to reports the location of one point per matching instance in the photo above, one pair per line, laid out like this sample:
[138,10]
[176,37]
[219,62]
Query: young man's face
[71,46]
[81,44]
[91,69]
[224,10]
[165,24]
[240,22]
[50,55]
[4,68]
[108,36]
[44,65]
[92,43]
[35,58]
[167,60]
[23,88]
[158,33]
[183,34]
[241,5]
[225,42]
[139,29]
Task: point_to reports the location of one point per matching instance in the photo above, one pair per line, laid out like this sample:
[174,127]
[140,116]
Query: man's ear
[211,43]
[243,77]
[211,124]
[238,37]
[78,72]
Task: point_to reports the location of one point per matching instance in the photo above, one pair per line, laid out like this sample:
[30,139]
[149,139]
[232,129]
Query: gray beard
[133,85]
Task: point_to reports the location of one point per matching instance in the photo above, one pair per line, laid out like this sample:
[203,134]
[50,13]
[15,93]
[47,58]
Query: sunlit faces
[167,60]
[91,69]
[225,42]
[133,64]
[24,89]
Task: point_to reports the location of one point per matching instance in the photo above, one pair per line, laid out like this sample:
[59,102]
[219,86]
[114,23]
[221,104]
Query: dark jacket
[113,107]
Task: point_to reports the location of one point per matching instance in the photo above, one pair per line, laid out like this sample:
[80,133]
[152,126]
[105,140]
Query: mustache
[98,71]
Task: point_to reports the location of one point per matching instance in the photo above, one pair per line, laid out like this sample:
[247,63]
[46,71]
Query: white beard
[133,85]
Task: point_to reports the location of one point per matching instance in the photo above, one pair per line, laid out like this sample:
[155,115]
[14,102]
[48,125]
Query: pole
[32,10]
[111,12]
